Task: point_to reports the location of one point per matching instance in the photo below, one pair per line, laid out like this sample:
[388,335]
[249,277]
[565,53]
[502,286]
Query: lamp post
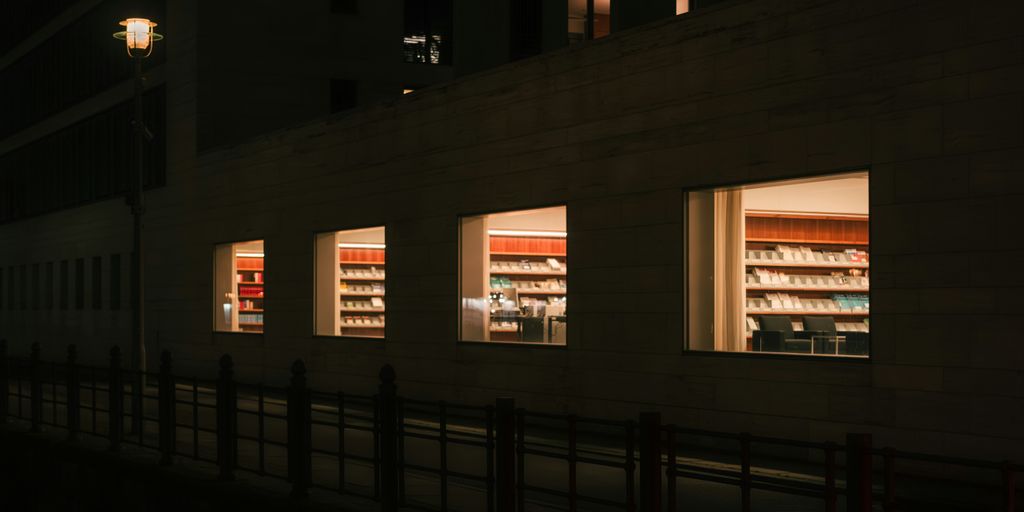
[139,39]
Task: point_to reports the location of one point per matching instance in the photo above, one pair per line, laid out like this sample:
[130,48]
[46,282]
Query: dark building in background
[578,161]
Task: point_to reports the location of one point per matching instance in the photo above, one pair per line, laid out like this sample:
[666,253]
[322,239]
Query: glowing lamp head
[138,36]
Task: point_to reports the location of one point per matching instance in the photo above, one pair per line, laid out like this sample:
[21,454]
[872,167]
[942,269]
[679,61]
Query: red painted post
[650,462]
[859,496]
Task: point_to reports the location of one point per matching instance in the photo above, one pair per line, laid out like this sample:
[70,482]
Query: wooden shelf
[526,273]
[362,326]
[504,329]
[250,310]
[250,324]
[250,297]
[792,312]
[347,262]
[807,242]
[253,283]
[361,310]
[548,254]
[782,288]
[361,294]
[360,278]
[250,269]
[805,264]
[530,291]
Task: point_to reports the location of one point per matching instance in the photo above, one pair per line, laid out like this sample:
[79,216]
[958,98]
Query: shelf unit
[249,288]
[836,234]
[525,259]
[361,281]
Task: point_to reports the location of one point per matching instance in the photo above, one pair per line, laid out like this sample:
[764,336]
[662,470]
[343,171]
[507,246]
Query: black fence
[435,455]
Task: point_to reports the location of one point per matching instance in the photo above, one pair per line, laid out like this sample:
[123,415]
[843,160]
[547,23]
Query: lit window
[350,283]
[428,31]
[780,267]
[239,286]
[513,276]
[682,6]
[585,24]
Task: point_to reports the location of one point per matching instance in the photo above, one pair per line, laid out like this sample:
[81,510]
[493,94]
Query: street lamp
[139,39]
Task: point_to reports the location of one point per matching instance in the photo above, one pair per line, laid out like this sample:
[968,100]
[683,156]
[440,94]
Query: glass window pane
[350,281]
[780,267]
[513,276]
[239,286]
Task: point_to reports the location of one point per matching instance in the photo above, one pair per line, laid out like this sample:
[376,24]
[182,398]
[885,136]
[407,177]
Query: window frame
[387,286]
[458,276]
[685,312]
[213,287]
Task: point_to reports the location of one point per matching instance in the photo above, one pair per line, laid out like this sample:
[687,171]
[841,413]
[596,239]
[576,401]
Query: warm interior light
[408,91]
[517,232]
[360,245]
[250,255]
[138,36]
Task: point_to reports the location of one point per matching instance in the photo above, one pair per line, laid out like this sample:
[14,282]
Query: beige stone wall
[926,94]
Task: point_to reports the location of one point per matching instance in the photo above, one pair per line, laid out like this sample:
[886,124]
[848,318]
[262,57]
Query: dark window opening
[23,278]
[345,6]
[64,284]
[344,95]
[97,282]
[80,283]
[36,299]
[11,285]
[527,28]
[115,281]
[427,37]
[49,285]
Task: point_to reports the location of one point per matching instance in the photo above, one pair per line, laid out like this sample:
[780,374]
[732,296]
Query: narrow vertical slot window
[49,285]
[115,281]
[97,282]
[64,284]
[512,276]
[80,283]
[350,279]
[239,287]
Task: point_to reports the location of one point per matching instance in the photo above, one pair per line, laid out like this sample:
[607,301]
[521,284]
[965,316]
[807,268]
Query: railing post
[505,456]
[745,478]
[167,404]
[115,399]
[650,462]
[5,381]
[858,473]
[227,419]
[300,464]
[73,392]
[388,440]
[830,477]
[36,389]
[1009,488]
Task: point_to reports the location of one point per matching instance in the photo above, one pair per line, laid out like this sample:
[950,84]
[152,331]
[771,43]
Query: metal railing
[416,454]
